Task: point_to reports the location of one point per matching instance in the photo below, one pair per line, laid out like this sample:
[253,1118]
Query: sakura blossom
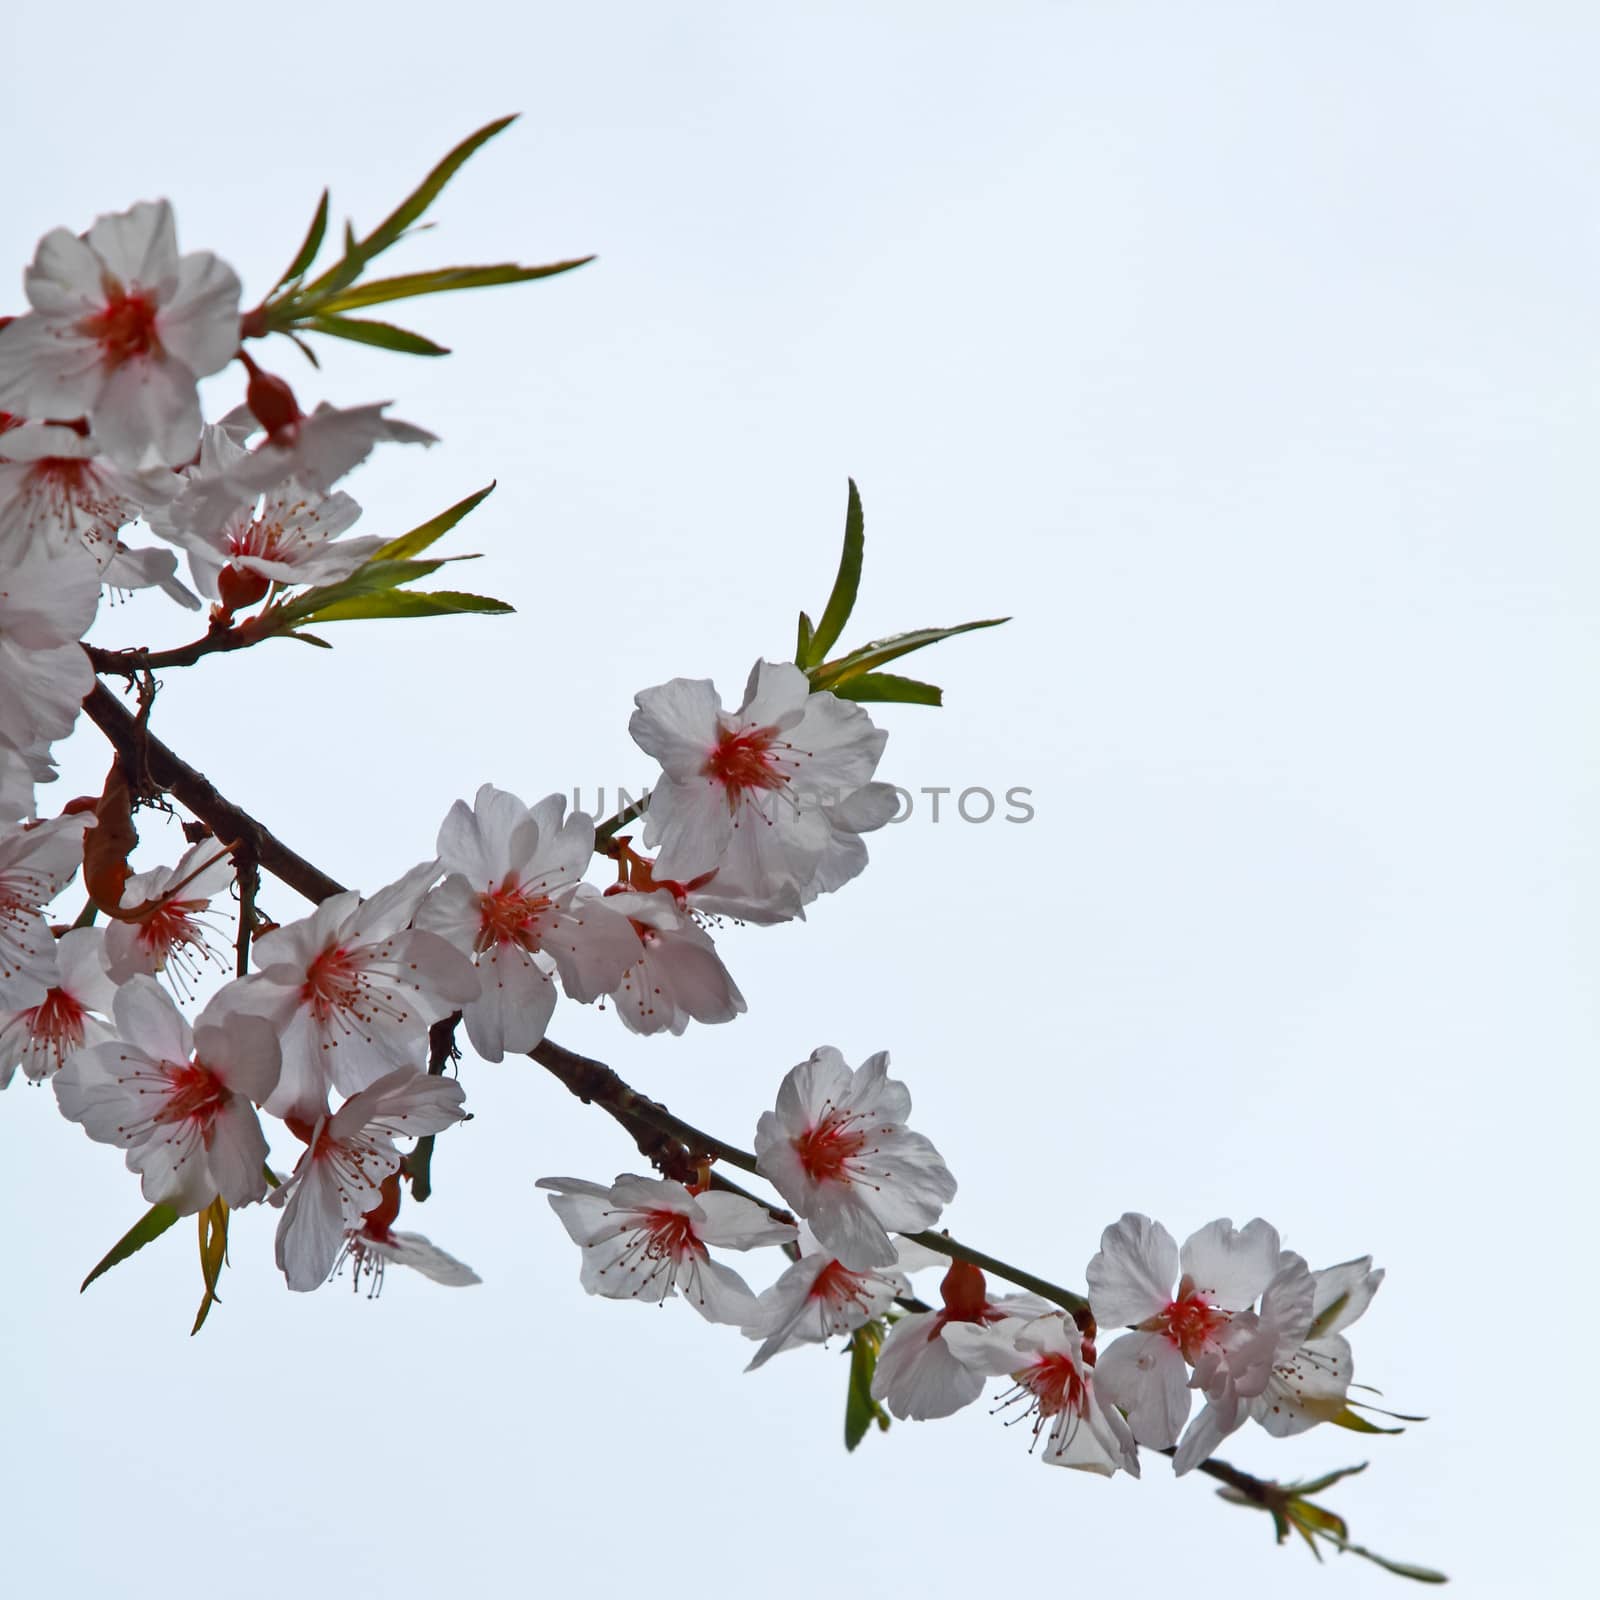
[288,535]
[678,977]
[121,329]
[46,607]
[314,451]
[1052,1366]
[339,1178]
[179,1101]
[514,900]
[377,1244]
[837,1149]
[72,1016]
[165,928]
[36,863]
[767,796]
[920,1375]
[818,1297]
[1312,1382]
[647,1238]
[1193,1309]
[351,991]
[59,495]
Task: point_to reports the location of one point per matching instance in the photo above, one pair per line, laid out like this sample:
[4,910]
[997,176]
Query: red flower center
[510,915]
[126,329]
[197,1095]
[670,1236]
[1190,1321]
[826,1147]
[744,761]
[1056,1382]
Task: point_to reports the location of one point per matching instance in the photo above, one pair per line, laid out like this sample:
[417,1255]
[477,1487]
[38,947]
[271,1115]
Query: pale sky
[1244,355]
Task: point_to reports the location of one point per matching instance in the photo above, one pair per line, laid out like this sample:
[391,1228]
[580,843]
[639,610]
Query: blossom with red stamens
[36,863]
[339,1178]
[514,901]
[376,1244]
[352,990]
[1206,1322]
[178,1101]
[819,1296]
[837,1149]
[1051,1365]
[647,1238]
[121,329]
[678,977]
[41,1039]
[170,934]
[773,796]
[919,1374]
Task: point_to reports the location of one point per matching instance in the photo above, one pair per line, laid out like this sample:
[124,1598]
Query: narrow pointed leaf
[802,645]
[384,335]
[373,578]
[1401,1569]
[310,638]
[414,543]
[842,600]
[889,686]
[410,603]
[1359,1424]
[307,253]
[1327,1480]
[871,656]
[442,280]
[151,1225]
[213,1253]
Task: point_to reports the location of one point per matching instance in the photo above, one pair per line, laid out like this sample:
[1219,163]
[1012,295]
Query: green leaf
[442,280]
[307,253]
[213,1253]
[310,638]
[842,600]
[359,252]
[874,655]
[411,603]
[377,575]
[1401,1569]
[151,1225]
[418,540]
[889,686]
[860,1409]
[1326,1481]
[385,335]
[1358,1424]
[802,647]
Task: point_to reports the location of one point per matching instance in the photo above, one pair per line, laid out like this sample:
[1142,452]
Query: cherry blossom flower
[1205,1321]
[351,991]
[765,794]
[46,607]
[348,1155]
[41,1039]
[121,329]
[919,1375]
[818,1296]
[1310,1384]
[514,900]
[377,1243]
[316,451]
[178,1101]
[36,862]
[1236,1367]
[58,495]
[1052,1366]
[679,977]
[646,1238]
[837,1149]
[170,936]
[290,537]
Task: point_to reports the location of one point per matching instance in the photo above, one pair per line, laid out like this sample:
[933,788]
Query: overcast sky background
[1245,355]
